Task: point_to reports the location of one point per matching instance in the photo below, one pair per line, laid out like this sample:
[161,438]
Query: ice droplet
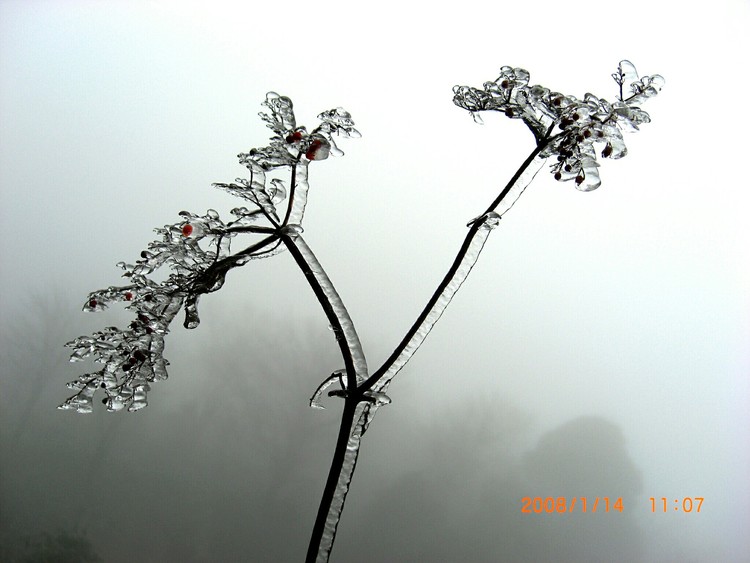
[378,398]
[292,230]
[192,320]
[139,397]
[491,221]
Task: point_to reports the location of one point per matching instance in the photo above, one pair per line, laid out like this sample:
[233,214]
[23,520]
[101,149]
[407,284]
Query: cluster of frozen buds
[197,251]
[564,126]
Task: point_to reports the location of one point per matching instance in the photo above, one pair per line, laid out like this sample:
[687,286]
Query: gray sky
[600,346]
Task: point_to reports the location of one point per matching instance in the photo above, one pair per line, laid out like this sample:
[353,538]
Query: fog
[598,349]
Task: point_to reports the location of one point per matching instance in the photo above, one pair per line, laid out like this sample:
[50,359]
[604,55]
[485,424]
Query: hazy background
[600,347]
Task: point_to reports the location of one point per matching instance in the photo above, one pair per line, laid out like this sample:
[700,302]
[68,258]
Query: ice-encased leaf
[281,118]
[339,122]
[81,402]
[589,175]
[132,358]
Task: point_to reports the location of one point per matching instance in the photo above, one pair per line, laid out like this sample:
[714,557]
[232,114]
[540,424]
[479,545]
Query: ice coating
[345,478]
[301,187]
[487,223]
[348,332]
[520,185]
[198,253]
[563,125]
[132,358]
[337,375]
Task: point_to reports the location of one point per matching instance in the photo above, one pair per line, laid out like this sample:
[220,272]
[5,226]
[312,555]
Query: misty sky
[599,347]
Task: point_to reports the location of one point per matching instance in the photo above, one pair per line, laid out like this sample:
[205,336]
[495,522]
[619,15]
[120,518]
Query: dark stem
[334,474]
[325,303]
[350,404]
[292,187]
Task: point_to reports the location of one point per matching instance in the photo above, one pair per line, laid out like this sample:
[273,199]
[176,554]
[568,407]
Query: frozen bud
[319,149]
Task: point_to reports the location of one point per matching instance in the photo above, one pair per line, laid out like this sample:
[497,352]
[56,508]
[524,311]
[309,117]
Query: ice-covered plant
[199,251]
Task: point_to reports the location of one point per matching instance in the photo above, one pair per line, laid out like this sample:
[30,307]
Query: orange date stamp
[565,505]
[568,505]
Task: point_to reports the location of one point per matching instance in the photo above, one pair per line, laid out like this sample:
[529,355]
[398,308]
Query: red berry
[558,175]
[187,230]
[607,151]
[294,137]
[128,296]
[93,303]
[318,150]
[579,179]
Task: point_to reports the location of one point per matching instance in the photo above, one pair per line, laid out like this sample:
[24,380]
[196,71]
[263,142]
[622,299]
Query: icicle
[192,320]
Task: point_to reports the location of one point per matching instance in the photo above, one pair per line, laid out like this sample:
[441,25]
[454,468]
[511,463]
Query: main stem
[332,482]
[353,396]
